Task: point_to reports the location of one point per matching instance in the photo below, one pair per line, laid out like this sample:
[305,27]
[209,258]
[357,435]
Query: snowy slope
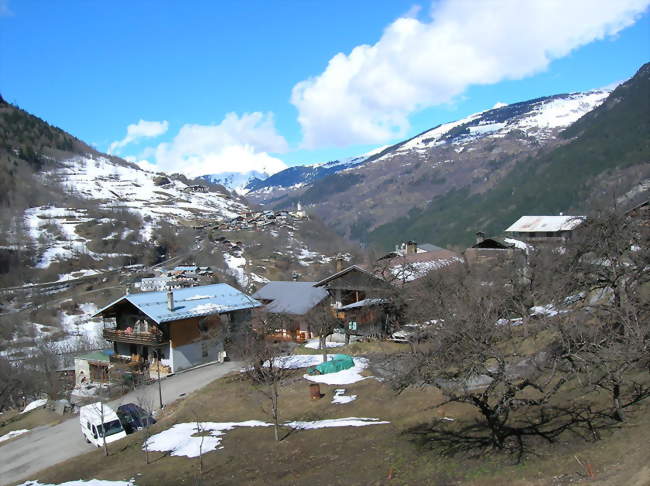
[128,186]
[541,119]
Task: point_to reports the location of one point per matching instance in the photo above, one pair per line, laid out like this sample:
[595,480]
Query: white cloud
[140,130]
[237,144]
[367,95]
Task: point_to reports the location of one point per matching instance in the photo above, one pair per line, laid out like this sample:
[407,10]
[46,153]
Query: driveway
[45,446]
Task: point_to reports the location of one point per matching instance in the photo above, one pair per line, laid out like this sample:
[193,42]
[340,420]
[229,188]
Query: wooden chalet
[177,329]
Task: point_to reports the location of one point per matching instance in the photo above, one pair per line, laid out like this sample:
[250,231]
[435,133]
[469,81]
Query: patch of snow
[314,344]
[342,422]
[182,439]
[199,297]
[341,397]
[296,361]
[236,268]
[344,377]
[34,404]
[12,434]
[199,309]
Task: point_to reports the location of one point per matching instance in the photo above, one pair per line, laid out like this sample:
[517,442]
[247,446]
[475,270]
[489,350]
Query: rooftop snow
[527,224]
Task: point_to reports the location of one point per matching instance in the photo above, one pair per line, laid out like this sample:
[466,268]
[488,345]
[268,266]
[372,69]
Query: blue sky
[233,86]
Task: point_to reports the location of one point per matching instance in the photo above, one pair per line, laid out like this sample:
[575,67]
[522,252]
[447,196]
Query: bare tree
[322,322]
[146,403]
[201,431]
[266,369]
[607,342]
[474,356]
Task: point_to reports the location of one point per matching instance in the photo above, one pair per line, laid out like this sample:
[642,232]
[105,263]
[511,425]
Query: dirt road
[21,459]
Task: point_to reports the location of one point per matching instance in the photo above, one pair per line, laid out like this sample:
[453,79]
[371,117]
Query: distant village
[260,220]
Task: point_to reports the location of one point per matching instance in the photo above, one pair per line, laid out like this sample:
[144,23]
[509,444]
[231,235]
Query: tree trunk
[618,410]
[323,346]
[274,411]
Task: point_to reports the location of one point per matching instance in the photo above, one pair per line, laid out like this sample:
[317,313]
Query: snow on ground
[236,268]
[81,326]
[345,377]
[34,404]
[12,434]
[342,422]
[182,440]
[314,344]
[64,277]
[298,361]
[185,439]
[81,482]
[341,397]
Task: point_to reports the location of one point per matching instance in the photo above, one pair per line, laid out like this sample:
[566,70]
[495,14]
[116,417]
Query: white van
[94,428]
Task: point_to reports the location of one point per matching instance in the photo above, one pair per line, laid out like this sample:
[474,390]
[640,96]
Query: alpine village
[467,302]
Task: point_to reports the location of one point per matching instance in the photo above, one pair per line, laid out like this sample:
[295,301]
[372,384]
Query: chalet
[293,301]
[490,253]
[552,230]
[176,329]
[358,297]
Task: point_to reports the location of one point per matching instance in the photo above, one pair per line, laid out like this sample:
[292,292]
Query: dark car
[134,418]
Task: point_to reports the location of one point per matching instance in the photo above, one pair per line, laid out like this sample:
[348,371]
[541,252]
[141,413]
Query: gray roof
[291,297]
[198,301]
[429,247]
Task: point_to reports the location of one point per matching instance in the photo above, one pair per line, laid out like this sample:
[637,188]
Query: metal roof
[527,224]
[203,300]
[289,297]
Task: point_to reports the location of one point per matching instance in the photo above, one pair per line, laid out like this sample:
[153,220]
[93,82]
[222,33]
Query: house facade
[177,329]
[292,301]
[358,298]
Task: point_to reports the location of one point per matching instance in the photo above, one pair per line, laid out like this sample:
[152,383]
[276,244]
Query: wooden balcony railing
[133,337]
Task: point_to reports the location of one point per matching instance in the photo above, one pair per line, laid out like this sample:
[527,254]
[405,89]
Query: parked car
[99,421]
[134,418]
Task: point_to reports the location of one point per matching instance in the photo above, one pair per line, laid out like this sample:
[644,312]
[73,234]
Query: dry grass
[14,420]
[353,456]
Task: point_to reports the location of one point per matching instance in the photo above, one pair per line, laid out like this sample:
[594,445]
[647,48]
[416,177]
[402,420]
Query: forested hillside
[605,155]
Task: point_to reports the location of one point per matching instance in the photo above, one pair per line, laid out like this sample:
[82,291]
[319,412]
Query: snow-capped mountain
[539,119]
[300,176]
[359,194]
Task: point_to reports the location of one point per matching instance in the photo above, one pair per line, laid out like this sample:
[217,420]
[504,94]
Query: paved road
[45,446]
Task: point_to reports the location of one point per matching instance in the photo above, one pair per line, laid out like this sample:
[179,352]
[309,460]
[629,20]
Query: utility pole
[159,386]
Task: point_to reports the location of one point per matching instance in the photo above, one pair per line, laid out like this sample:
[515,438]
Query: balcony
[147,338]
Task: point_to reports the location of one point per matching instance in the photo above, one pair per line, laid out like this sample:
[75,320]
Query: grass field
[372,455]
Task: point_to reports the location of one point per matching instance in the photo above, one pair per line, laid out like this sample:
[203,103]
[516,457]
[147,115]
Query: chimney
[170,300]
[480,237]
[411,247]
[339,263]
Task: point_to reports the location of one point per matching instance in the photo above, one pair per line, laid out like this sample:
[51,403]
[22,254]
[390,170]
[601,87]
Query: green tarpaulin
[338,362]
